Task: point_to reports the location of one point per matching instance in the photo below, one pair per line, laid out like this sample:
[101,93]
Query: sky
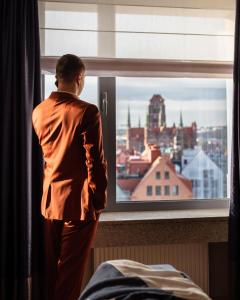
[201,100]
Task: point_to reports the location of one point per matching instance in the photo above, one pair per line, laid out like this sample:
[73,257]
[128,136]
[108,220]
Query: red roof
[128,184]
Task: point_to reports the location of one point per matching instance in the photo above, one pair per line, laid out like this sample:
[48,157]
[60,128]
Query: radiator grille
[189,258]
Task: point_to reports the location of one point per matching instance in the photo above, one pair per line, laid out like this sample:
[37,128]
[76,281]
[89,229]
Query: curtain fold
[234,217]
[20,171]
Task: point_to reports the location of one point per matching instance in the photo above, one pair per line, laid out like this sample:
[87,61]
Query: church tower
[156,116]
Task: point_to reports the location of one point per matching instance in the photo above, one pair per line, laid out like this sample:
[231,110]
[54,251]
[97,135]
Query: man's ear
[80,76]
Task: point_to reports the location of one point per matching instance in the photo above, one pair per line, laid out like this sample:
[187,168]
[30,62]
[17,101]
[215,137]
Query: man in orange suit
[75,181]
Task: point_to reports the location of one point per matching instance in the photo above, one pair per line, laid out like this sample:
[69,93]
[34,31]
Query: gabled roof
[200,156]
[171,166]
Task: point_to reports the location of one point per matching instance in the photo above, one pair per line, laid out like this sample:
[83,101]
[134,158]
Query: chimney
[153,152]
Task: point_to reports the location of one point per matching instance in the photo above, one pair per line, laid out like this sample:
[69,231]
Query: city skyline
[201,100]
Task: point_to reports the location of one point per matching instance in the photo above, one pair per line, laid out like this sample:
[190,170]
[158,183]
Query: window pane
[136,31]
[60,42]
[68,28]
[88,94]
[175,190]
[166,175]
[174,20]
[71,16]
[149,190]
[166,190]
[166,46]
[174,127]
[158,190]
[174,33]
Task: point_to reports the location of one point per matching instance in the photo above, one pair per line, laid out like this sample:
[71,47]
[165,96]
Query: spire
[129,118]
[139,122]
[181,120]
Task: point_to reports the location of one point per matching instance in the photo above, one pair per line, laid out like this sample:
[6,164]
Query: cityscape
[178,162]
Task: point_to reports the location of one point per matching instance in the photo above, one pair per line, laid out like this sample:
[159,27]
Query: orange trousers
[68,245]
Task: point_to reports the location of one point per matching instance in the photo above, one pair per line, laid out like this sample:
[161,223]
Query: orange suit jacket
[75,179]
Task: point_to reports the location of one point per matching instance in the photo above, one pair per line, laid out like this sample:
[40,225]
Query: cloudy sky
[201,100]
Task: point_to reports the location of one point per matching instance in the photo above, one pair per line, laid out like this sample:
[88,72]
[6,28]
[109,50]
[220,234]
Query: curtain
[234,218]
[20,171]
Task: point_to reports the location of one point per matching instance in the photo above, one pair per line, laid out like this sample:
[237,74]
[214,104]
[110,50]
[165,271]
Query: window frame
[107,70]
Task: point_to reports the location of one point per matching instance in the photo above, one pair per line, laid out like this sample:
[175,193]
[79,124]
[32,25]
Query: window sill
[162,227]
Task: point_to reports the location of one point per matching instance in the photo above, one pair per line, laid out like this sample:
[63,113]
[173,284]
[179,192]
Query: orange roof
[128,184]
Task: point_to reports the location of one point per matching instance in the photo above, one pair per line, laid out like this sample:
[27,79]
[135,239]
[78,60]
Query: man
[74,188]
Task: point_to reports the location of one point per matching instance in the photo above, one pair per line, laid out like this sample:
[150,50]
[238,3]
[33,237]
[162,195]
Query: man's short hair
[68,67]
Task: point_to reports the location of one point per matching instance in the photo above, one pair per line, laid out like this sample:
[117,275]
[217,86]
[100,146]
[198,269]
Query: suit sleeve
[95,162]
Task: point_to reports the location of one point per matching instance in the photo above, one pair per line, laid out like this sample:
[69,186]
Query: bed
[130,280]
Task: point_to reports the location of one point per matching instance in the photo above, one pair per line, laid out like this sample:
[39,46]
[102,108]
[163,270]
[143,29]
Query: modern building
[207,178]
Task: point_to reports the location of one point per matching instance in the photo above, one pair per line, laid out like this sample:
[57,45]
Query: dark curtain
[234,218]
[20,169]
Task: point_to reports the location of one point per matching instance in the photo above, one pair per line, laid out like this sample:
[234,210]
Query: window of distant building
[175,190]
[166,175]
[205,173]
[205,183]
[158,190]
[158,175]
[149,190]
[166,190]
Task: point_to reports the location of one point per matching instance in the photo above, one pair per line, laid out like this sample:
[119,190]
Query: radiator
[189,258]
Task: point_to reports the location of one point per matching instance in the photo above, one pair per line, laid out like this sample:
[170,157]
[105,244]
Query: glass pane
[71,16]
[172,46]
[172,136]
[89,93]
[136,31]
[174,20]
[60,42]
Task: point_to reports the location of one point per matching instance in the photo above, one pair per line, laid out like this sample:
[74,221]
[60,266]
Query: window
[149,190]
[175,190]
[205,183]
[166,190]
[166,175]
[158,190]
[196,183]
[205,173]
[166,95]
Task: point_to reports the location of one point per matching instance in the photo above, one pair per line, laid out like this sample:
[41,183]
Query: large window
[162,77]
[176,127]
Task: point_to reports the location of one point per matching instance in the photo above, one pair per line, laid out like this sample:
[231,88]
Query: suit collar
[63,95]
